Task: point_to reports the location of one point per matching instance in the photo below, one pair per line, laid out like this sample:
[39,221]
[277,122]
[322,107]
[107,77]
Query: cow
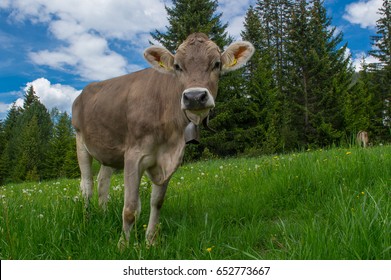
[140,122]
[362,138]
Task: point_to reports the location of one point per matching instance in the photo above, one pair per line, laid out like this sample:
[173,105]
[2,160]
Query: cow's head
[198,64]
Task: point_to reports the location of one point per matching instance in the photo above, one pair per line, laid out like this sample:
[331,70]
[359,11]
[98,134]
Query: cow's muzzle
[196,103]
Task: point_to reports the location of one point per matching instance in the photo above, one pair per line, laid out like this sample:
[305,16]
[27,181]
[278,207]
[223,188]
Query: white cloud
[363,13]
[358,59]
[4,107]
[234,13]
[86,29]
[52,95]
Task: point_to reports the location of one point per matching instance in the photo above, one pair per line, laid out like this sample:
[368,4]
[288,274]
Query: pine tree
[319,75]
[2,148]
[382,42]
[61,142]
[189,16]
[382,71]
[358,111]
[31,136]
[29,157]
[260,90]
[10,134]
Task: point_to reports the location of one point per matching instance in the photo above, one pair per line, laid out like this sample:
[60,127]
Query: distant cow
[138,121]
[362,138]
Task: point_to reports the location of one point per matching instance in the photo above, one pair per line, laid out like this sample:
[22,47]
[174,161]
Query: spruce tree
[32,133]
[189,16]
[260,90]
[61,142]
[382,72]
[10,134]
[319,75]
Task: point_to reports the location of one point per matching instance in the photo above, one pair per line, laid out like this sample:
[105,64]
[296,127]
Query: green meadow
[322,204]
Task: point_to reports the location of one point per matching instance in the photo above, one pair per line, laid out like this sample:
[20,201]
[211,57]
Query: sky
[60,46]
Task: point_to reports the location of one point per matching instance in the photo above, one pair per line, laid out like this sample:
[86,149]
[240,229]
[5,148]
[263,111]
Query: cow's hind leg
[157,199]
[104,177]
[85,163]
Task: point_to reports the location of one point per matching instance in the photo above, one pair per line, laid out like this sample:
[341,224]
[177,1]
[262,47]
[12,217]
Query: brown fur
[137,121]
[362,138]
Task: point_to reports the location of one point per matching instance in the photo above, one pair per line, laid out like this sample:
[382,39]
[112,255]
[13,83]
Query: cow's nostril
[195,99]
[204,97]
[186,100]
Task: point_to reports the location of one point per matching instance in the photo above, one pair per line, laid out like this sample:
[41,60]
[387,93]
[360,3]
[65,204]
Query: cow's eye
[177,67]
[217,65]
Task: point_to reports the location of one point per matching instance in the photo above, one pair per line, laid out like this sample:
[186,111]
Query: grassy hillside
[333,204]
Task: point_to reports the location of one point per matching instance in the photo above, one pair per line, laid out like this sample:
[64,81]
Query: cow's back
[113,114]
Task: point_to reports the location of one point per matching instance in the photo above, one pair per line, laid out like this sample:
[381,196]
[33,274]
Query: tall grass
[333,204]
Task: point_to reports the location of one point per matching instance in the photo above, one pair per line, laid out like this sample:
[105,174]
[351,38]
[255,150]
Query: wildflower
[209,249]
[182,178]
[40,216]
[348,153]
[362,193]
[221,167]
[145,227]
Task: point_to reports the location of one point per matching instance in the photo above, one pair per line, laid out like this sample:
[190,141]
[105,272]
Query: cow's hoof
[123,244]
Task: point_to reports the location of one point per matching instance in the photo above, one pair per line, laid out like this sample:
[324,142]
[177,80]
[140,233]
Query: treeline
[36,144]
[299,91]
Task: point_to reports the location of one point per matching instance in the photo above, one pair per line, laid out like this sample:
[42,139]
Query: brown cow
[362,138]
[138,121]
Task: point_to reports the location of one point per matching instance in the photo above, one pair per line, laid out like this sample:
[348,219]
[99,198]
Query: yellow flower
[209,249]
[348,153]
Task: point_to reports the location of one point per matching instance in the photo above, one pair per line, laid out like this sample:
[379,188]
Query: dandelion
[348,153]
[210,249]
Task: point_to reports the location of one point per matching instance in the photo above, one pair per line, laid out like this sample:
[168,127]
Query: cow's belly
[105,152]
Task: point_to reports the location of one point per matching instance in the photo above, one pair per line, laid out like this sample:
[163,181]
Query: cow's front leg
[132,204]
[157,199]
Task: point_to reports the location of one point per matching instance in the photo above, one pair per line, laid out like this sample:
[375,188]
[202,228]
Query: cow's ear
[160,58]
[236,56]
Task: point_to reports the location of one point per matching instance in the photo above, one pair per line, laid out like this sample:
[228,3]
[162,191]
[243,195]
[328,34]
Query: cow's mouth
[197,116]
[196,103]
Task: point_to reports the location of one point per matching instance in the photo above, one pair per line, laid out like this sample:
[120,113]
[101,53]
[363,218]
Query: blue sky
[60,46]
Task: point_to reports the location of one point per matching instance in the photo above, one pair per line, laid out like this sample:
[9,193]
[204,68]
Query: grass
[331,204]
